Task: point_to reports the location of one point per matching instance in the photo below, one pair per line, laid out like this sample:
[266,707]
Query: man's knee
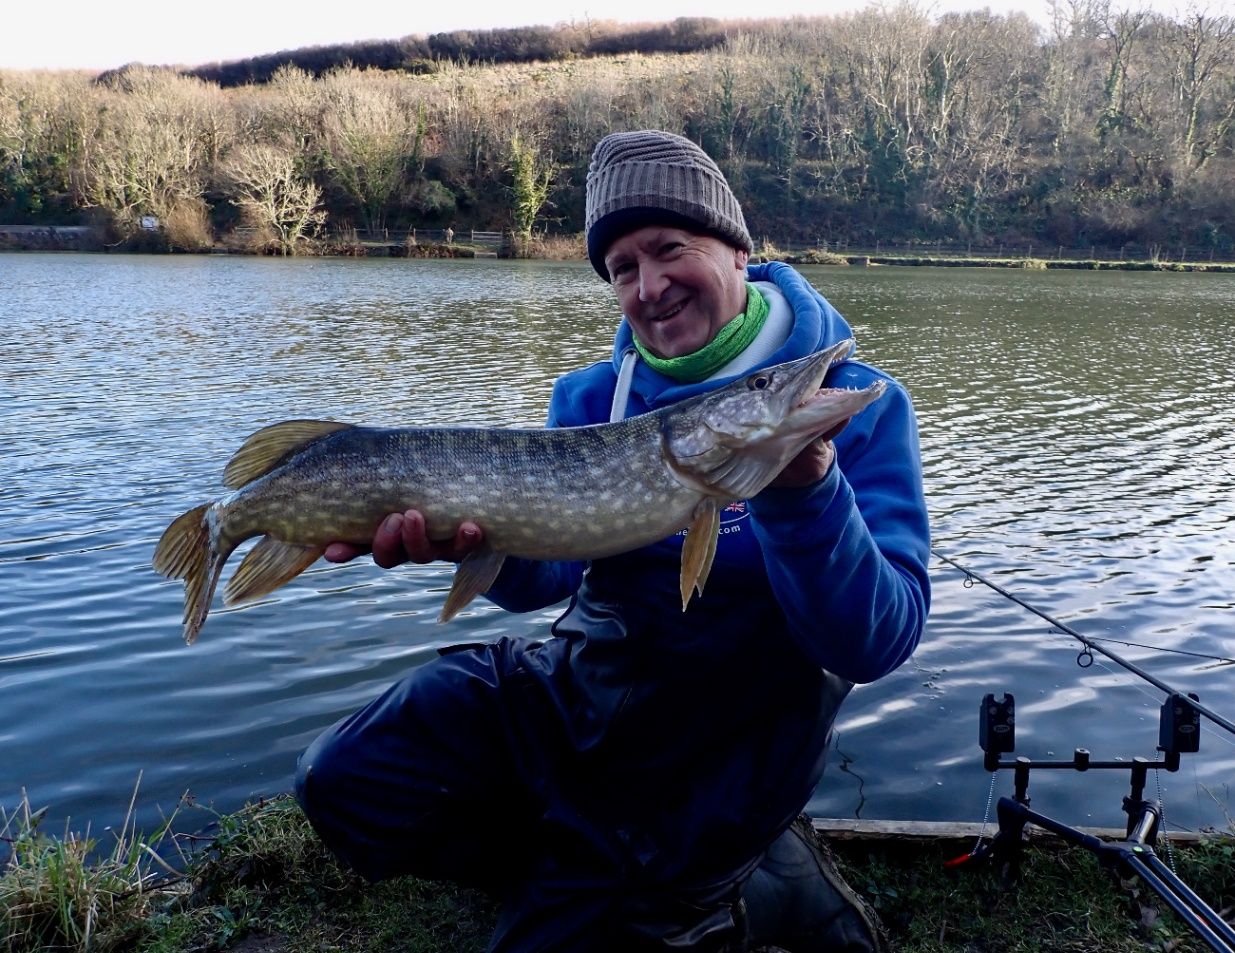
[305,767]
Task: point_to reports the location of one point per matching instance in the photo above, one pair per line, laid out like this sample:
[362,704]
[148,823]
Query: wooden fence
[425,236]
[940,249]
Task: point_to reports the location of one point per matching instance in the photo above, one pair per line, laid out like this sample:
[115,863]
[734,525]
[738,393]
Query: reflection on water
[1077,431]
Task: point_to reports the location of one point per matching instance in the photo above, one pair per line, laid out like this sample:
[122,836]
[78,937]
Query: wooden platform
[927,831]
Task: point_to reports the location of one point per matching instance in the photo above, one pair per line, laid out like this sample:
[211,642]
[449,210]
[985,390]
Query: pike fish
[571,493]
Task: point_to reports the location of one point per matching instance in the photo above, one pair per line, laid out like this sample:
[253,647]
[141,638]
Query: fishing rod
[1134,856]
[1091,645]
[1178,733]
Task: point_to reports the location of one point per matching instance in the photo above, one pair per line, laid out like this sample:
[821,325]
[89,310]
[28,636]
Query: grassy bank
[259,881]
[1032,264]
[572,248]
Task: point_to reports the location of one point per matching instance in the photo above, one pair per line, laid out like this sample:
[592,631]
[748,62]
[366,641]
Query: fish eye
[760,381]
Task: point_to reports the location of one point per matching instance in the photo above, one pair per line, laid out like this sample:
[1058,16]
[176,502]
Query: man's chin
[669,341]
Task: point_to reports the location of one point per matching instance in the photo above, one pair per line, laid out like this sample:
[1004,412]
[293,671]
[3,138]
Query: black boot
[797,900]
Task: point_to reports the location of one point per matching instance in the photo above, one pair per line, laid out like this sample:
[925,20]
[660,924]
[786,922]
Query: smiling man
[649,764]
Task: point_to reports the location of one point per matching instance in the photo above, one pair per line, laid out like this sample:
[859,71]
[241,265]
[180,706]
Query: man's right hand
[401,538]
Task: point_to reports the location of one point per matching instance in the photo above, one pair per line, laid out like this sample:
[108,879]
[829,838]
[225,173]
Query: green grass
[261,882]
[1030,264]
[267,873]
[1064,900]
[75,893]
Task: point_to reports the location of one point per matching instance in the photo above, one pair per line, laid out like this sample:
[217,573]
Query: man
[649,764]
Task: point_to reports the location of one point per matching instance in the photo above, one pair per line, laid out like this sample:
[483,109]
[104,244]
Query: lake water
[1078,433]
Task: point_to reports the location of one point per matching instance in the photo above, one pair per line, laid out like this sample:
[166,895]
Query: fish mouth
[806,381]
[812,409]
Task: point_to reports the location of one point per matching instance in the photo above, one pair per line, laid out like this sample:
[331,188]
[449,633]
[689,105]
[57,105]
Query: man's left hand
[807,467]
[811,465]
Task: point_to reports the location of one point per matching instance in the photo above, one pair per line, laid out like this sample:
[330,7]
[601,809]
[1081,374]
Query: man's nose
[652,282]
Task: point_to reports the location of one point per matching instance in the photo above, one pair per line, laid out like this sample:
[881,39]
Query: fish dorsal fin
[273,445]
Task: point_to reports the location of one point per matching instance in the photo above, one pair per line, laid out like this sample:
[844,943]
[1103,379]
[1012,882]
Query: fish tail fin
[188,550]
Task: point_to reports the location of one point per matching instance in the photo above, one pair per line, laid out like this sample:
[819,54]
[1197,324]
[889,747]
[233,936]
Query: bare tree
[1120,31]
[884,51]
[370,138]
[977,129]
[273,196]
[1200,54]
[15,136]
[149,147]
[1070,75]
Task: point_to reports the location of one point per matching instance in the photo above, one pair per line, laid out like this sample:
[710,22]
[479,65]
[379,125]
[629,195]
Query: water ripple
[1078,445]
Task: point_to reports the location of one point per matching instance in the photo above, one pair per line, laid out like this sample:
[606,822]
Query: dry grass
[73,893]
[558,247]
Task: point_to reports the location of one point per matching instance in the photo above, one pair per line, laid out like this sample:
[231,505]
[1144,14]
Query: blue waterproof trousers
[467,770]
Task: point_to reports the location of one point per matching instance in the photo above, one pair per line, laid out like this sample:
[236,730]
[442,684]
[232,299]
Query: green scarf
[732,340]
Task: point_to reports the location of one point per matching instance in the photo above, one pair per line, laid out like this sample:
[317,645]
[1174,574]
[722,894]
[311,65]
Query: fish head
[733,441]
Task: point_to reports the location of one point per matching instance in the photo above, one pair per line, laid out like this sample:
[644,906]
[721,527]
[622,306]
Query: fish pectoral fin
[271,446]
[268,565]
[700,548]
[733,471]
[746,474]
[475,574]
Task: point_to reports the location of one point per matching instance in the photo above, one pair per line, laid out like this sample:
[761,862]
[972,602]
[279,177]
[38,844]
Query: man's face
[676,288]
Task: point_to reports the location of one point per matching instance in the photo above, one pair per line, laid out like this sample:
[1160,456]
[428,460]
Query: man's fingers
[343,552]
[403,537]
[467,537]
[835,430]
[416,540]
[388,546]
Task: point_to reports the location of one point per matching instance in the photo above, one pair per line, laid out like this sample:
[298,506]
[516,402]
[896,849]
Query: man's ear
[740,257]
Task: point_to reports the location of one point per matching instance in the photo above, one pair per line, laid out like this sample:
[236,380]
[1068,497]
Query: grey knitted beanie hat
[656,178]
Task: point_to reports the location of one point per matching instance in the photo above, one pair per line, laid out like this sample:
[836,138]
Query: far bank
[470,243]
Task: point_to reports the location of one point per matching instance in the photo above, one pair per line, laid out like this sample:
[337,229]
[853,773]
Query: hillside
[886,125]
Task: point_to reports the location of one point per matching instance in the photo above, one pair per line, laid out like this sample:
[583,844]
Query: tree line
[1111,126]
[423,54]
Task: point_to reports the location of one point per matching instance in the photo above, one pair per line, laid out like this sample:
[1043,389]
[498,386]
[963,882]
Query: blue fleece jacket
[844,561]
[699,734]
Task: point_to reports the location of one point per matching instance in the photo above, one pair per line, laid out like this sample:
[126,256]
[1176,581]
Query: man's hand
[811,465]
[401,538]
[807,467]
